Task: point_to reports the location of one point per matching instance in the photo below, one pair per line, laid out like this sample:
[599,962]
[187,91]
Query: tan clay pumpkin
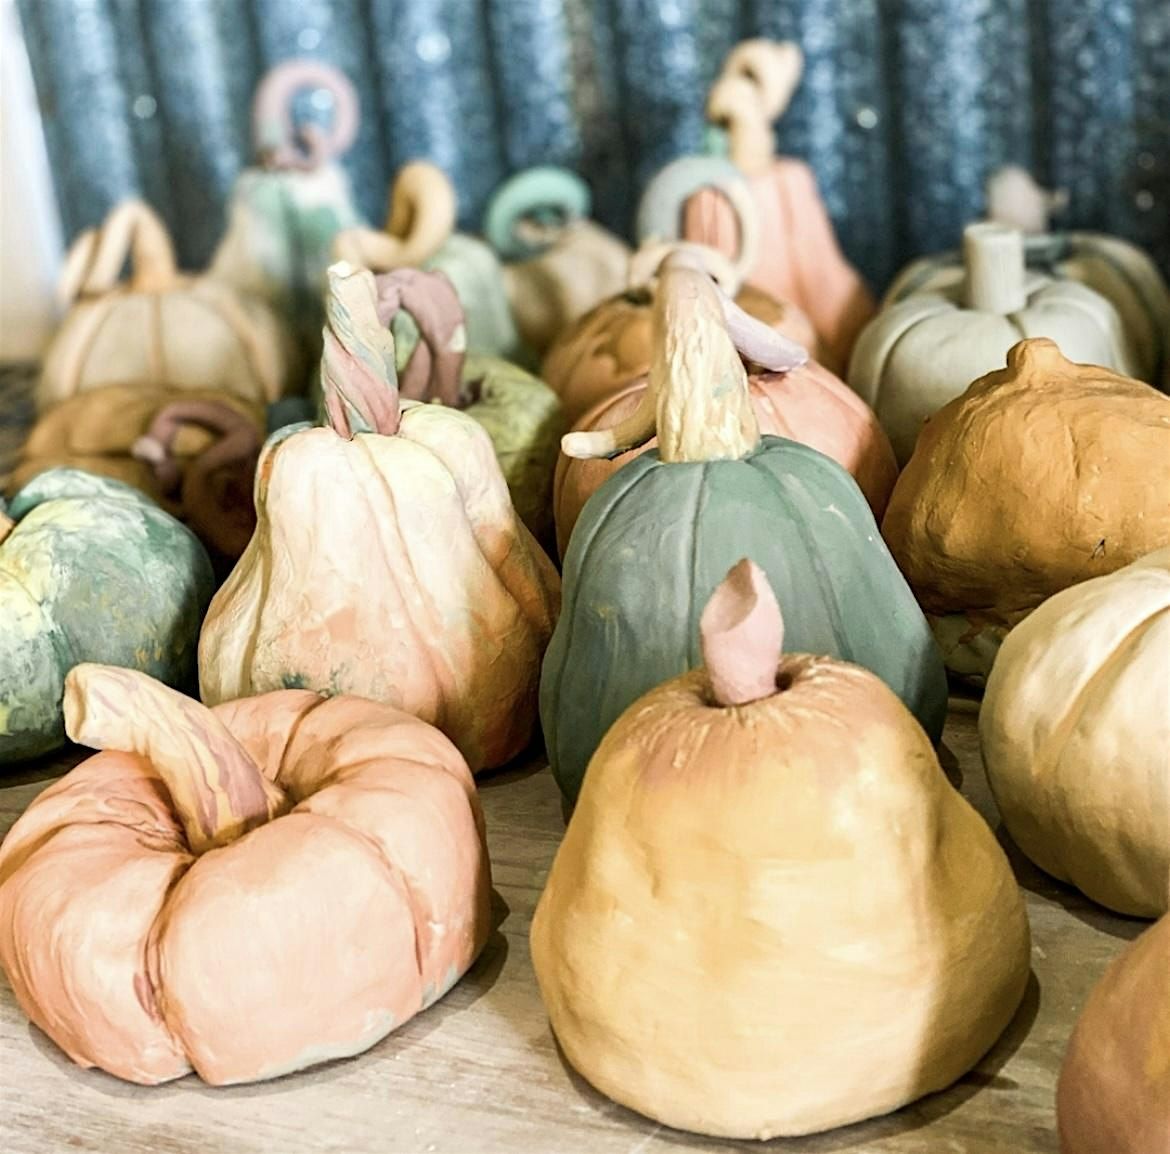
[193,450]
[244,891]
[1114,1091]
[771,913]
[388,560]
[1039,476]
[161,326]
[800,260]
[806,404]
[1075,730]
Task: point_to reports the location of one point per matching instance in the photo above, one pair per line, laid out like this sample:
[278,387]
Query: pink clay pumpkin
[245,890]
[807,404]
[800,260]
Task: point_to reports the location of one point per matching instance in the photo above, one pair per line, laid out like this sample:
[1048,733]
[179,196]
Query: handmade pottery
[771,913]
[1075,732]
[652,543]
[90,570]
[243,891]
[192,450]
[1114,1091]
[1039,476]
[924,350]
[388,560]
[161,326]
[284,213]
[800,260]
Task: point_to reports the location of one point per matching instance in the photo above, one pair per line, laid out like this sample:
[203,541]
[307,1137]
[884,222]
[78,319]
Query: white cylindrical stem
[996,273]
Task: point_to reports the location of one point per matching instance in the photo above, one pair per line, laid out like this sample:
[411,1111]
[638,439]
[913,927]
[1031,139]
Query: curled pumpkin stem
[280,144]
[741,633]
[217,789]
[358,379]
[434,371]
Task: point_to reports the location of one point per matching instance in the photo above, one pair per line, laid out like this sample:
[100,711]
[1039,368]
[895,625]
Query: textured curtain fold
[904,109]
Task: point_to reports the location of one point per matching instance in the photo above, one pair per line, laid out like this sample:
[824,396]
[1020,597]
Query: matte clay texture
[653,542]
[97,431]
[776,918]
[1114,1091]
[160,326]
[806,404]
[387,564]
[1039,476]
[346,888]
[91,571]
[1075,730]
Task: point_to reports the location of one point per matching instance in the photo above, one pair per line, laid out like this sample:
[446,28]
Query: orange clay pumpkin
[807,404]
[800,260]
[244,891]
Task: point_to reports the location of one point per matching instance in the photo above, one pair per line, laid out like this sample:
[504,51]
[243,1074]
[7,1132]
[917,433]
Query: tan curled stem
[751,94]
[741,634]
[217,790]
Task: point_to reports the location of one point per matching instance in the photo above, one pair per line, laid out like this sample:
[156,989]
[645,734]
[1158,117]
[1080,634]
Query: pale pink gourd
[388,560]
[800,260]
[245,890]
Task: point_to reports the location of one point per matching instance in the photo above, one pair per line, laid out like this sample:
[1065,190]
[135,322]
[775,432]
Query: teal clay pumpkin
[657,538]
[90,570]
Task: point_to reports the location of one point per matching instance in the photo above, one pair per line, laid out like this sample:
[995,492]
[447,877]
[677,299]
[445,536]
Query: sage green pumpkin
[654,542]
[92,570]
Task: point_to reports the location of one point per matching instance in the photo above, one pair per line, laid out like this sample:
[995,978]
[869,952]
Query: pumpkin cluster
[784,516]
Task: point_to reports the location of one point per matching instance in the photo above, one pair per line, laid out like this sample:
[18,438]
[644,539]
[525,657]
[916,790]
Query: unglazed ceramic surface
[1114,1091]
[242,891]
[90,570]
[774,916]
[388,560]
[161,326]
[1075,732]
[1039,476]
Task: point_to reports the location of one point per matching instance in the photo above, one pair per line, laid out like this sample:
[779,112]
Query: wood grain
[480,1071]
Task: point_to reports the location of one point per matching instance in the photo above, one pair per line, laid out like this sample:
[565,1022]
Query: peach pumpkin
[244,891]
[388,560]
[807,404]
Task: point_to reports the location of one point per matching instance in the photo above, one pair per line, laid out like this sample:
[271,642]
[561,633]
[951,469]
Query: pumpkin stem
[696,398]
[358,378]
[217,789]
[434,371]
[280,144]
[996,273]
[741,633]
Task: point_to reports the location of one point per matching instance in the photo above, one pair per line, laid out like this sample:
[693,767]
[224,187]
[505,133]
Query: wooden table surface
[480,1071]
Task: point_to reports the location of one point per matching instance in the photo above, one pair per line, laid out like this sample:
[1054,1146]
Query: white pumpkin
[924,350]
[1075,728]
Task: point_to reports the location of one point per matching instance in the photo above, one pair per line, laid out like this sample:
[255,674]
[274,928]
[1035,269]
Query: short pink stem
[742,634]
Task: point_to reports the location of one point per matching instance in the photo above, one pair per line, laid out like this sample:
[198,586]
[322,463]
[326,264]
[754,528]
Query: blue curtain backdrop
[905,107]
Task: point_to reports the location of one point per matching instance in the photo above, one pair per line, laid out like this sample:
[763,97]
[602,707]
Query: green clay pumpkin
[90,570]
[656,539]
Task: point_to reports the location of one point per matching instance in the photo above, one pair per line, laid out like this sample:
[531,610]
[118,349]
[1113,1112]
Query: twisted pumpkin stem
[217,789]
[434,371]
[741,633]
[358,378]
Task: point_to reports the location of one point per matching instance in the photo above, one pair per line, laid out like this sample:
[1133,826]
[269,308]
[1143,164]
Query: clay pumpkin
[559,262]
[244,891]
[90,570]
[420,231]
[806,404]
[800,260]
[191,332]
[194,451]
[771,913]
[1075,731]
[923,351]
[284,213]
[1039,476]
[520,413]
[654,541]
[1114,1091]
[388,560]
